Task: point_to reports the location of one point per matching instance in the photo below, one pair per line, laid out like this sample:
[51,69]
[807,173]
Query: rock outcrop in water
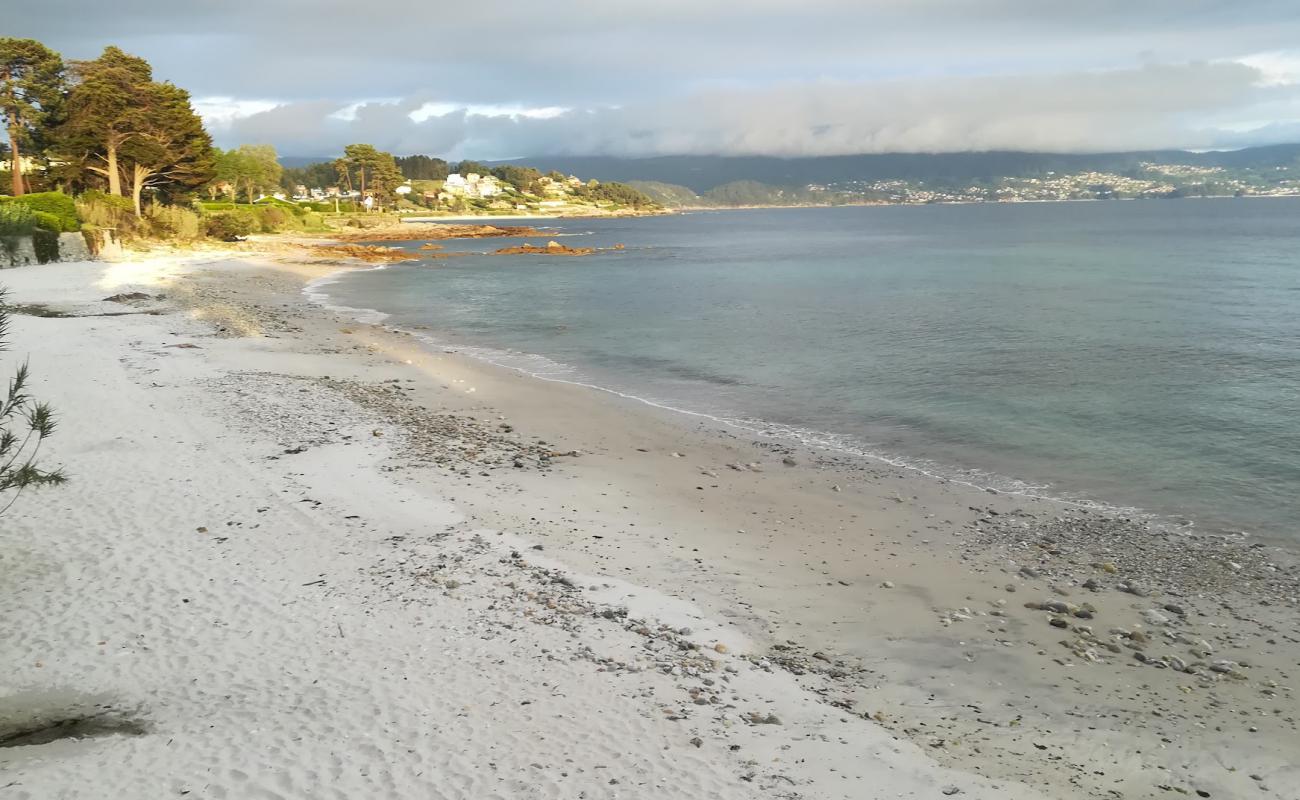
[551,249]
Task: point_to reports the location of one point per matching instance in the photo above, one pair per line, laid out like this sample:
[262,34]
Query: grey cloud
[1148,107]
[578,52]
[771,76]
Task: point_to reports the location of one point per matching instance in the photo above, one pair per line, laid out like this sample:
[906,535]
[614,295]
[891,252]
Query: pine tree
[31,94]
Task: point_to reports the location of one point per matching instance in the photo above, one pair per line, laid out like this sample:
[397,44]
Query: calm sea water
[1140,354]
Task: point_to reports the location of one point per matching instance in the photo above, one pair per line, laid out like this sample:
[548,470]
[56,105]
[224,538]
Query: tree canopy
[128,128]
[423,168]
[369,171]
[31,96]
[253,167]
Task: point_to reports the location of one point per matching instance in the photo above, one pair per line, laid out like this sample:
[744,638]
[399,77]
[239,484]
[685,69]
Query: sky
[512,78]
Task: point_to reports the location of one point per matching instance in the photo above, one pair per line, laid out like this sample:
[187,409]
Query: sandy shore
[304,556]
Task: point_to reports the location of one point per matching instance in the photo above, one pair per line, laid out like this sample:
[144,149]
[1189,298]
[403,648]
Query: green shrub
[272,218]
[172,222]
[56,204]
[230,226]
[108,211]
[16,219]
[48,222]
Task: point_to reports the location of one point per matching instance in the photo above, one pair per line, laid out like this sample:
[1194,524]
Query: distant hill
[700,174]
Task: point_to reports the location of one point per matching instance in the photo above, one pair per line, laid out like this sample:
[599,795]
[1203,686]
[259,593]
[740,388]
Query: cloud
[514,77]
[1154,106]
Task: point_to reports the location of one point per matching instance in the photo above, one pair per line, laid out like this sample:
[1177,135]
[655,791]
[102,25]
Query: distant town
[1146,181]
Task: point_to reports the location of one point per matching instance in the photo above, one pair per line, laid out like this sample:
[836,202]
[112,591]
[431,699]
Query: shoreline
[790,557]
[780,434]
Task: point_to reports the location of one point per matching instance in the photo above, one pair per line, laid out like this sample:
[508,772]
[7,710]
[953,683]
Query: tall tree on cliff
[130,129]
[31,94]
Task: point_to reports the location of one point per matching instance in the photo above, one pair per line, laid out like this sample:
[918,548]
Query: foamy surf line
[314,292]
[805,437]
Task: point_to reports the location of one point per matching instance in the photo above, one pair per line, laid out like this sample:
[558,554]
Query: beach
[305,555]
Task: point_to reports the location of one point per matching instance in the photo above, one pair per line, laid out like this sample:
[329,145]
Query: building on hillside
[472,185]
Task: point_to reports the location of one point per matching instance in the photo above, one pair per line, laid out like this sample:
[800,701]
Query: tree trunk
[114,176]
[15,163]
[139,175]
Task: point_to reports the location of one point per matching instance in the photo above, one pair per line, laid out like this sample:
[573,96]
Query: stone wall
[21,251]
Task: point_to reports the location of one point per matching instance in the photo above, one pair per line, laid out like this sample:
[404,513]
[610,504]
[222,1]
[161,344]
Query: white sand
[308,625]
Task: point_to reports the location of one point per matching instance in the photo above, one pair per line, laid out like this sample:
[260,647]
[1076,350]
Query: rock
[789,462]
[697,741]
[1173,609]
[721,648]
[1092,585]
[887,585]
[951,790]
[1029,572]
[836,488]
[1057,606]
[1058,622]
[1153,617]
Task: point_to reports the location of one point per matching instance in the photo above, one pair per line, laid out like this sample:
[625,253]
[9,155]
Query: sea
[1142,355]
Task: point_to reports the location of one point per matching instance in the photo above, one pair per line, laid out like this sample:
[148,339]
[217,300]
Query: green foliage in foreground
[24,425]
[59,208]
[16,219]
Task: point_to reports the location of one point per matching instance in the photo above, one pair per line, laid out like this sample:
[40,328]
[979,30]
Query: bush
[57,204]
[172,222]
[16,219]
[108,211]
[48,222]
[272,218]
[230,226]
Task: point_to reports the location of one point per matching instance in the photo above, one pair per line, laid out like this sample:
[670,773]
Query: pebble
[887,585]
[1153,617]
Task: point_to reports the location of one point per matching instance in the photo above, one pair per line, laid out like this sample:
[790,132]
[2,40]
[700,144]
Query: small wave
[543,368]
[314,293]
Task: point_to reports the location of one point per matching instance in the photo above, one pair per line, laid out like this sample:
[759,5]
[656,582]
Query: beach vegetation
[25,424]
[231,226]
[61,207]
[16,219]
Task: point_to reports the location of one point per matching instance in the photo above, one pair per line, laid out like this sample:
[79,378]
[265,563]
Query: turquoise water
[1141,354]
